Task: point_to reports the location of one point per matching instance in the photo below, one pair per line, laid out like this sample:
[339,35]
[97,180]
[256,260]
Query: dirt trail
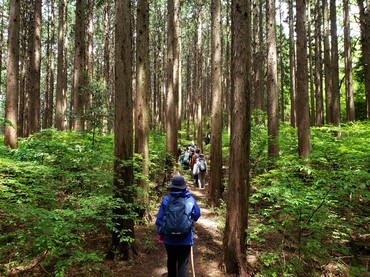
[207,247]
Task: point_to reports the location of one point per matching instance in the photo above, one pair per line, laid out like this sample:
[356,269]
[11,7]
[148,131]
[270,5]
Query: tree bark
[303,117]
[172,79]
[49,93]
[273,98]
[365,42]
[350,103]
[123,139]
[318,66]
[234,245]
[142,98]
[335,116]
[292,65]
[327,63]
[61,94]
[198,76]
[79,66]
[35,69]
[215,182]
[12,76]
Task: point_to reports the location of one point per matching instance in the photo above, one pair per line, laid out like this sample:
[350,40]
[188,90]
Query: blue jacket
[195,214]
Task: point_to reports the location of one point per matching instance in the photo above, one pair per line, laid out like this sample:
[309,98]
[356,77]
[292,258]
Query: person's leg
[196,178]
[172,252]
[202,179]
[183,260]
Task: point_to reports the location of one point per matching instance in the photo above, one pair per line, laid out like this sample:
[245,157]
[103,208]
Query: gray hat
[178,182]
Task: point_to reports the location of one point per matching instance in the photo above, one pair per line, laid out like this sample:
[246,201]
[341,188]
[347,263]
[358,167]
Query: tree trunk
[215,182]
[350,103]
[234,242]
[123,139]
[318,66]
[292,65]
[198,76]
[327,63]
[273,99]
[303,117]
[35,69]
[61,94]
[335,65]
[1,43]
[49,93]
[88,96]
[142,98]
[79,66]
[172,100]
[12,76]
[365,41]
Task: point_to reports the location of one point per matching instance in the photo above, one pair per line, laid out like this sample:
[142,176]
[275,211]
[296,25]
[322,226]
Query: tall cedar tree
[303,116]
[350,103]
[215,181]
[272,90]
[234,242]
[171,108]
[142,95]
[365,42]
[61,94]
[79,66]
[123,234]
[12,76]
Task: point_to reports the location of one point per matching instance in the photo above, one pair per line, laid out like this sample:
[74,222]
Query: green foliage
[309,211]
[56,193]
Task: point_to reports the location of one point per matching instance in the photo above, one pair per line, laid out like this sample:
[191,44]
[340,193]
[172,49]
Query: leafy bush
[307,212]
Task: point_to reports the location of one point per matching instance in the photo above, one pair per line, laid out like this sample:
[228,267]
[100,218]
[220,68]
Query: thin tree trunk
[35,69]
[171,109]
[61,94]
[199,70]
[215,183]
[303,117]
[79,66]
[335,65]
[327,64]
[350,104]
[318,66]
[272,83]
[292,65]
[49,94]
[142,98]
[12,76]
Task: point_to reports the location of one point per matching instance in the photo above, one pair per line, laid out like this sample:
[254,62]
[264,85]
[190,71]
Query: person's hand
[160,238]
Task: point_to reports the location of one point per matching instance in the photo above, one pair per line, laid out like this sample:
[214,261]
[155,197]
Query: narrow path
[207,247]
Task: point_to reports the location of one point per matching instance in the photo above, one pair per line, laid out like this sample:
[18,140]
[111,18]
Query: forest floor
[152,263]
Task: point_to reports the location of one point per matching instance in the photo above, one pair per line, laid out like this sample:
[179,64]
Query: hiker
[178,246]
[200,170]
[193,172]
[207,138]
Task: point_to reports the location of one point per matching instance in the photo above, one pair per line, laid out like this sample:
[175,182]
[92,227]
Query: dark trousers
[177,260]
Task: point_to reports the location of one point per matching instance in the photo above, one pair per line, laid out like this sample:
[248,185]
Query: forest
[99,98]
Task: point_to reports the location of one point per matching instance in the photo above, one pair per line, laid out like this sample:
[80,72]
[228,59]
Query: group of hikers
[178,212]
[192,159]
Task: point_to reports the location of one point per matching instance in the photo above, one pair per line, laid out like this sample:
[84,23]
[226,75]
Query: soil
[151,260]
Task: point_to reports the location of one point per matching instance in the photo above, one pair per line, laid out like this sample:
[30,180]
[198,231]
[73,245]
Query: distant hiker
[200,169]
[174,222]
[194,173]
[207,138]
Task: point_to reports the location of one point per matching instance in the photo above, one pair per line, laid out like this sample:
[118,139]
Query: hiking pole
[192,260]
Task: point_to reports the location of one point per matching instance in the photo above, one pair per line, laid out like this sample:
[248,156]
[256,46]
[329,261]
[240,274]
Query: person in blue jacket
[178,249]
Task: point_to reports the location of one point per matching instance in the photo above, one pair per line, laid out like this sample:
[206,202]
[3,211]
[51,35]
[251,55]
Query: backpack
[177,221]
[186,158]
[202,166]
